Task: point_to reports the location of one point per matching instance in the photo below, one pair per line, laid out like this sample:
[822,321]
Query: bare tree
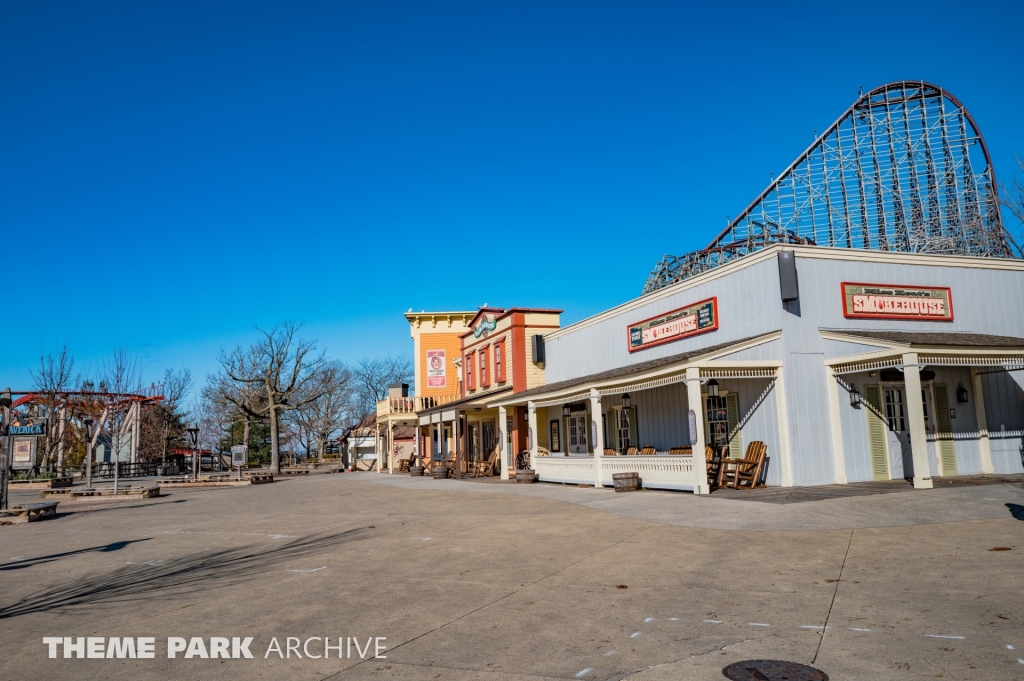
[52,383]
[121,376]
[164,422]
[1012,197]
[320,418]
[247,397]
[286,369]
[373,376]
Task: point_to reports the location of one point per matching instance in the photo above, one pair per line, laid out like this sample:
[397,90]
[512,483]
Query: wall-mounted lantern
[854,398]
[627,402]
[961,393]
[712,388]
[566,410]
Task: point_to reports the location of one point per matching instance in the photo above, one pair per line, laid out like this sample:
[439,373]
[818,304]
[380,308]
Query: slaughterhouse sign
[882,301]
[682,323]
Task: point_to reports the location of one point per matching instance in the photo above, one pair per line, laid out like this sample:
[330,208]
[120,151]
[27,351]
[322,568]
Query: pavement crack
[839,580]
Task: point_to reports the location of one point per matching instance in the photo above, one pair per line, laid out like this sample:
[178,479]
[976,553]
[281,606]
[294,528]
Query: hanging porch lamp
[566,410]
[712,388]
[627,402]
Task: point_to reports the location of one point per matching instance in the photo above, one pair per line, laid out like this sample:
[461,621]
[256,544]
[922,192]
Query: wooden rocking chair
[632,451]
[748,469]
[649,450]
[486,468]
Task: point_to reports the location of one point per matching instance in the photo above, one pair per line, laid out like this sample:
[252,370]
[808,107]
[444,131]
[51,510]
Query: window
[499,361]
[485,379]
[895,413]
[625,428]
[718,421]
[470,377]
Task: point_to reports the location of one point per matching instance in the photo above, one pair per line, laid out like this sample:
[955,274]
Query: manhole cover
[772,670]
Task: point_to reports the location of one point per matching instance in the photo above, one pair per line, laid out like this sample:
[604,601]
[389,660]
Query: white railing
[663,472]
[572,469]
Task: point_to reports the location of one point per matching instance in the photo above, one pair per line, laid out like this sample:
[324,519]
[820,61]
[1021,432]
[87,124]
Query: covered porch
[658,418]
[915,405]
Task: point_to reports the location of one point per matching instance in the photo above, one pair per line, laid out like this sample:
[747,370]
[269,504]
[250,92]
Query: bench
[29,513]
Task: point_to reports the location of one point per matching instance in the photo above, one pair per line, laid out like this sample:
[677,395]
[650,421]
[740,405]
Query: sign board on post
[672,326]
[23,453]
[883,301]
[238,455]
[693,427]
[436,369]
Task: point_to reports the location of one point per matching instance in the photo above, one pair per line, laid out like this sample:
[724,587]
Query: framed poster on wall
[437,375]
[555,436]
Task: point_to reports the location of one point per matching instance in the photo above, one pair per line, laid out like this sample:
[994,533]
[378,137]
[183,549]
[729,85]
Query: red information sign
[885,301]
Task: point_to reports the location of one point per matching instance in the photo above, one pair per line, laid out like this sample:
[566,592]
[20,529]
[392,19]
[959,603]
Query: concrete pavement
[473,581]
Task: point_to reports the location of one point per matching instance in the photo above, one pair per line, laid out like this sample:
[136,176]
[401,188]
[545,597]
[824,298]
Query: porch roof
[478,400]
[932,339]
[633,369]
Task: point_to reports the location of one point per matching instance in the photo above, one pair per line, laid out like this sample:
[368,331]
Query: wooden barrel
[415,471]
[526,476]
[626,482]
[438,472]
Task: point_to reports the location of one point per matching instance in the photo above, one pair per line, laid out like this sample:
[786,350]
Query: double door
[894,403]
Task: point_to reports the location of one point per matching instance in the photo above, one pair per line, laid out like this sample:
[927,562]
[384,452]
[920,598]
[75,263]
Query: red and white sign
[437,375]
[884,301]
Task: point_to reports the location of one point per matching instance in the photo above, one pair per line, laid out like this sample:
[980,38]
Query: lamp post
[193,433]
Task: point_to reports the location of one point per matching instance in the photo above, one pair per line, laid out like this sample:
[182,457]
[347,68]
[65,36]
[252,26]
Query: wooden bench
[681,451]
[29,513]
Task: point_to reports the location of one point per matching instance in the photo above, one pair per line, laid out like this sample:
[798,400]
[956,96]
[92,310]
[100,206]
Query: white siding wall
[749,305]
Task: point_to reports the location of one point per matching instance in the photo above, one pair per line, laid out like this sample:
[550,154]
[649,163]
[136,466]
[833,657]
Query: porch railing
[411,405]
[662,472]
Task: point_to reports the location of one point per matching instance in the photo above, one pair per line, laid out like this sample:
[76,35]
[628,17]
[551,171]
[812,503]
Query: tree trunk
[275,451]
[245,440]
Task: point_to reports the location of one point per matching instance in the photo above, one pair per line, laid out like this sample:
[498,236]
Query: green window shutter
[876,432]
[944,428]
[732,408]
[612,429]
[633,439]
[702,409]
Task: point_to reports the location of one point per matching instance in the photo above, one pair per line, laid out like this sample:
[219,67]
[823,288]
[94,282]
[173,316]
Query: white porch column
[531,410]
[836,425]
[376,447]
[915,413]
[597,435]
[979,413]
[503,434]
[696,405]
[391,448]
[782,413]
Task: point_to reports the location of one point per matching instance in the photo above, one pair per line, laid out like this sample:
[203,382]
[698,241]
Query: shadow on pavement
[22,564]
[187,574]
[1016,510]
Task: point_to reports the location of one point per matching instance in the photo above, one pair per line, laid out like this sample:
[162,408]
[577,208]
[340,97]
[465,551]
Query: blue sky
[173,173]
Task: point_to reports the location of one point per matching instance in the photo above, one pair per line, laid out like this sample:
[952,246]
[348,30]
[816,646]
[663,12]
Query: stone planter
[415,471]
[527,476]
